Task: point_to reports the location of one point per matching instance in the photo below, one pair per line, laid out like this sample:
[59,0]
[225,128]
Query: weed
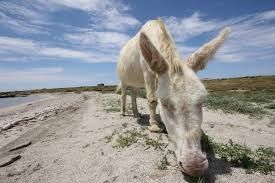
[109,138]
[201,179]
[128,138]
[85,97]
[230,103]
[270,106]
[124,125]
[113,105]
[132,136]
[153,143]
[162,165]
[241,156]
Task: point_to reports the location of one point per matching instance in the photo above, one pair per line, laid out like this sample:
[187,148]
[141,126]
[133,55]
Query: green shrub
[240,155]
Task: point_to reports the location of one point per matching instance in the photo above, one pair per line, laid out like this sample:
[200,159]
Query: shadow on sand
[216,166]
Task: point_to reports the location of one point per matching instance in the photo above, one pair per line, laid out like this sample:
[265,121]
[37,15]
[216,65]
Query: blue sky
[45,44]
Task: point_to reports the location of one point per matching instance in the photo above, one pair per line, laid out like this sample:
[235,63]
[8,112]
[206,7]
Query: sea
[13,101]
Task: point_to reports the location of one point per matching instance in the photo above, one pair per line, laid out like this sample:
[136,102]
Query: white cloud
[98,41]
[23,18]
[85,5]
[35,16]
[31,75]
[186,28]
[112,19]
[16,49]
[104,40]
[104,14]
[253,36]
[86,56]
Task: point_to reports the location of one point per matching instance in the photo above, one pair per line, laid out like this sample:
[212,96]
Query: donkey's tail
[118,88]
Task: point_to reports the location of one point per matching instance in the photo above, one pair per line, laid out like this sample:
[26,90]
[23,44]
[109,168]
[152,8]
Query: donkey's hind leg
[123,98]
[134,102]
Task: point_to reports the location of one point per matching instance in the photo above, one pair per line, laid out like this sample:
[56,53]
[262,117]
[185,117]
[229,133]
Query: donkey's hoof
[138,115]
[154,128]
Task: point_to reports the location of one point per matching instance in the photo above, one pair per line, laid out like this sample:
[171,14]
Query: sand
[68,143]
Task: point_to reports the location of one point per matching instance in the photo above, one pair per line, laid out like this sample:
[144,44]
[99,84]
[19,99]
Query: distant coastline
[220,84]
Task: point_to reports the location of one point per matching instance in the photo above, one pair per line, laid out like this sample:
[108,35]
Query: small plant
[109,138]
[201,179]
[230,103]
[124,125]
[240,155]
[132,136]
[153,143]
[270,106]
[162,165]
[128,138]
[113,105]
[85,97]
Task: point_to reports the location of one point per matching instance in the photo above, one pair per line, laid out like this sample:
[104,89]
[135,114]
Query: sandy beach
[66,138]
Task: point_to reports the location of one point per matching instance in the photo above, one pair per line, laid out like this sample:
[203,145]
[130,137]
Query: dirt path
[72,147]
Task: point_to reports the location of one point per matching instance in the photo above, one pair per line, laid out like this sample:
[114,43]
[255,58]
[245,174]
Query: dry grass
[243,83]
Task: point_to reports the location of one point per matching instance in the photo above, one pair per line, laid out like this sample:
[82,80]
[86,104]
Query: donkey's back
[130,68]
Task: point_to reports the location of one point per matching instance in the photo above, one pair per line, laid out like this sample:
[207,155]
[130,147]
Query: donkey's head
[181,95]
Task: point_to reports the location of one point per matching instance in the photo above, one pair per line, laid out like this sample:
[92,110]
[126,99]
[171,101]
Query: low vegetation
[259,160]
[270,106]
[132,136]
[128,138]
[109,138]
[163,163]
[253,103]
[113,105]
[102,89]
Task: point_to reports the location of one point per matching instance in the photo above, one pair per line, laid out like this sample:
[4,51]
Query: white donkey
[150,58]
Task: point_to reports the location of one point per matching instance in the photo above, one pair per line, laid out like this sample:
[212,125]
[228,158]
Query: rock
[6,126]
[9,160]
[21,146]
[11,174]
[85,146]
[37,167]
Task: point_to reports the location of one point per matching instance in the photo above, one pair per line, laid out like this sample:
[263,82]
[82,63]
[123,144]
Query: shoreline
[248,83]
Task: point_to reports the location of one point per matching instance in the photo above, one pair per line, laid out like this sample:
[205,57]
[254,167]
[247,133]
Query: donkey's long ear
[199,59]
[151,55]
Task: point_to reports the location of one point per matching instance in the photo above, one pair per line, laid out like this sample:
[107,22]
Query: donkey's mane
[168,49]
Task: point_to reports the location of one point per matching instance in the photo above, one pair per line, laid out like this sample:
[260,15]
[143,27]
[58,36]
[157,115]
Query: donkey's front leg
[151,87]
[153,122]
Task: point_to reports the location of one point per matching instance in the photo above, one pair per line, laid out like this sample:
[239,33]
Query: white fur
[178,90]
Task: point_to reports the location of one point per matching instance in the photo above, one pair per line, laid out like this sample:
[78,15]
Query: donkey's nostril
[180,163]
